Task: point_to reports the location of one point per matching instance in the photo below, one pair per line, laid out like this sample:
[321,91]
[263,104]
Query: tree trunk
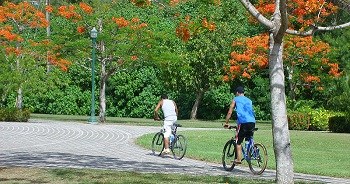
[48,33]
[104,77]
[292,85]
[19,99]
[281,137]
[194,110]
[102,115]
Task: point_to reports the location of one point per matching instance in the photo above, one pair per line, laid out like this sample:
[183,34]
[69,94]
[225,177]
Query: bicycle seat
[232,127]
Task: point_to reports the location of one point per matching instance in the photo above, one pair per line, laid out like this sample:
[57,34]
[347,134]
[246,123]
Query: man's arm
[229,113]
[155,115]
[176,110]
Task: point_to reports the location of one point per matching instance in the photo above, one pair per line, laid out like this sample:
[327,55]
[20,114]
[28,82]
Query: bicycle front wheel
[157,144]
[257,158]
[179,146]
[229,155]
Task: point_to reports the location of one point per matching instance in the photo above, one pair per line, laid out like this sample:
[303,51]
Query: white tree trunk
[48,33]
[102,115]
[281,137]
[19,99]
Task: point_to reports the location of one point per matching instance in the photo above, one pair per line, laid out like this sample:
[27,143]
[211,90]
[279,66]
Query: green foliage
[319,117]
[258,90]
[14,115]
[70,101]
[339,124]
[215,103]
[135,93]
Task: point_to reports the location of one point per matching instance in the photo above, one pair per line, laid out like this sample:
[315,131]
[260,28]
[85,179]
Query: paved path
[77,145]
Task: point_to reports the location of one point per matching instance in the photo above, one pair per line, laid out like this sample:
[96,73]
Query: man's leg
[167,127]
[166,145]
[238,160]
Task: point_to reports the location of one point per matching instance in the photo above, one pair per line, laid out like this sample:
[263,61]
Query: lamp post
[93,35]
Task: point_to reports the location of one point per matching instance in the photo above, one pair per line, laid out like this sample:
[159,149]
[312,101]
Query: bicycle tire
[179,147]
[257,159]
[229,155]
[158,143]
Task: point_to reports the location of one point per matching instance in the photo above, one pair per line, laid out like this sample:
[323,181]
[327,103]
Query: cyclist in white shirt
[170,113]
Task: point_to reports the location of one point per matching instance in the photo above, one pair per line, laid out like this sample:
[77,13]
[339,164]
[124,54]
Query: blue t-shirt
[244,109]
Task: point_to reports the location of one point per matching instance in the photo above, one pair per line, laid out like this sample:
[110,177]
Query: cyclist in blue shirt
[245,119]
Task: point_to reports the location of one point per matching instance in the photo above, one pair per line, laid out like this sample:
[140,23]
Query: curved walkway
[42,143]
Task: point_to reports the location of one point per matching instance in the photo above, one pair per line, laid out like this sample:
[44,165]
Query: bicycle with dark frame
[178,143]
[254,153]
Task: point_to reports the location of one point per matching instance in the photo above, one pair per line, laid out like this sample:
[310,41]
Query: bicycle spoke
[257,156]
[228,155]
[179,147]
[157,144]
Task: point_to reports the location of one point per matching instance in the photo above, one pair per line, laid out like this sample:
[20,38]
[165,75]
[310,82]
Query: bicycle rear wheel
[179,146]
[157,144]
[257,158]
[229,155]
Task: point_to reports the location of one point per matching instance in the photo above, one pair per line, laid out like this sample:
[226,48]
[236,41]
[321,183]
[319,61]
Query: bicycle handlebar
[235,127]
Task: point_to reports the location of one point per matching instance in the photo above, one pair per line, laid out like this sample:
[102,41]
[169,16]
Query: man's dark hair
[240,89]
[164,96]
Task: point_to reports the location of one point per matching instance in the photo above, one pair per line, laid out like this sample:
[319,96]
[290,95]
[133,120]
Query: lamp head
[93,33]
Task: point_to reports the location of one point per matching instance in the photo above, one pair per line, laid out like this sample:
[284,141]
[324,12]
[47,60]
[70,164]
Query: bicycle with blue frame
[254,153]
[178,143]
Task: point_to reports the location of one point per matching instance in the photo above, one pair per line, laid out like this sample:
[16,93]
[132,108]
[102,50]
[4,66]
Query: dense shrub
[299,120]
[14,115]
[319,117]
[70,100]
[339,124]
[215,103]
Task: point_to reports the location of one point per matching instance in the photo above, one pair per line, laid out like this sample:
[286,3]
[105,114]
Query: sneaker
[166,151]
[237,162]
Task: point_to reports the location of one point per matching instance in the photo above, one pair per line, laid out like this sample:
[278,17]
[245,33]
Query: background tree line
[190,71]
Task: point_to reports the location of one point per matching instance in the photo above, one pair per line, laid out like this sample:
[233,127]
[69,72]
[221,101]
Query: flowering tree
[305,61]
[121,42]
[206,33]
[22,45]
[280,18]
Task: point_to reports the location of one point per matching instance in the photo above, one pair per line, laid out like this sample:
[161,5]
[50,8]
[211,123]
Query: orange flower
[81,29]
[135,20]
[183,32]
[49,8]
[85,7]
[134,58]
[174,2]
[121,22]
[246,75]
[142,25]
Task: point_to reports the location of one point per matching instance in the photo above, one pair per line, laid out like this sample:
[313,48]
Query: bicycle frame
[246,147]
[254,153]
[177,146]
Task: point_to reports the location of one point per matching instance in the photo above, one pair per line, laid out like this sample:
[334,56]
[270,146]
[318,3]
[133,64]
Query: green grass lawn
[319,153]
[88,176]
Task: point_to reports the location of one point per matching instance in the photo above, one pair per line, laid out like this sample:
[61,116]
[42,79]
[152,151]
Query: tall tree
[21,28]
[206,30]
[122,40]
[278,26]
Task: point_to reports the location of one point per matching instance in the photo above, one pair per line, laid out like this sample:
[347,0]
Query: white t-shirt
[168,109]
